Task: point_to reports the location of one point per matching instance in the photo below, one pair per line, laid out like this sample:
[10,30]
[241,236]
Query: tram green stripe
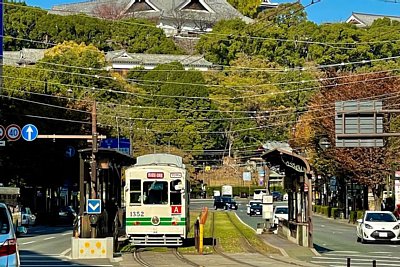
[150,224]
[145,219]
[140,219]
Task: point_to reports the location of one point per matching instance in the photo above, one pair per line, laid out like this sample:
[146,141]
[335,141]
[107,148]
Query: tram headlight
[155,220]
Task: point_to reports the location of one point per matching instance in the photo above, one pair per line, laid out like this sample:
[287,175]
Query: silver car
[9,255]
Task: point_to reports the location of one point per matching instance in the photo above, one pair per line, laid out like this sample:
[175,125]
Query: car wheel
[215,207]
[358,239]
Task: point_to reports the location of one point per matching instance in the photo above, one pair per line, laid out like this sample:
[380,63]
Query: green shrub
[326,211]
[317,208]
[360,214]
[335,212]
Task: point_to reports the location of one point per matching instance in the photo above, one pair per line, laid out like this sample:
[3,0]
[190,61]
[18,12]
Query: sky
[319,12]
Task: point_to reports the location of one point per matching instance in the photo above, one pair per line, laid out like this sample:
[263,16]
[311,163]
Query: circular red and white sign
[13,132]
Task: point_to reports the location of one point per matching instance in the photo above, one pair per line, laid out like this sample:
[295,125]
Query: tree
[367,166]
[246,7]
[109,11]
[181,115]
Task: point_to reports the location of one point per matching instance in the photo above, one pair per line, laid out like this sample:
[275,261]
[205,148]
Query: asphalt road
[51,246]
[333,240]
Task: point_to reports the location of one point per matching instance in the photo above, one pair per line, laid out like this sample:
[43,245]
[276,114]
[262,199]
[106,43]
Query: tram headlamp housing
[155,220]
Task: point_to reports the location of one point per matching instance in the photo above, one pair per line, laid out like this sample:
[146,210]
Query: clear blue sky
[323,11]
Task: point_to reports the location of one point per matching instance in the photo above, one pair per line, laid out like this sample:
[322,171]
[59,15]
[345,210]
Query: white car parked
[378,226]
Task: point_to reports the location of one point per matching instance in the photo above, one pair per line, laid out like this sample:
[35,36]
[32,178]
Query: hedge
[335,212]
[326,210]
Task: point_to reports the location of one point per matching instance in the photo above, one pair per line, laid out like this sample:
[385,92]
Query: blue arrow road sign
[29,132]
[93,206]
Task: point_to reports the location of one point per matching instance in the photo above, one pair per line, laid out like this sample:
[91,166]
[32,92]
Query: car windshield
[380,217]
[281,210]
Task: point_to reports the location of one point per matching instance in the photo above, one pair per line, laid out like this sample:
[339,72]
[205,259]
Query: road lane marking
[26,243]
[67,234]
[48,238]
[65,252]
[363,255]
[358,259]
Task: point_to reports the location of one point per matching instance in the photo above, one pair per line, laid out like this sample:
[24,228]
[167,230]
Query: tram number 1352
[137,213]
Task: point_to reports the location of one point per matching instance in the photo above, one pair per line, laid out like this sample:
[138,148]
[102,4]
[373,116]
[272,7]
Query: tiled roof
[221,9]
[156,59]
[368,19]
[24,57]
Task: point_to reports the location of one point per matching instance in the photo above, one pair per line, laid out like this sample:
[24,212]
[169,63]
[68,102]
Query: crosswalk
[357,259]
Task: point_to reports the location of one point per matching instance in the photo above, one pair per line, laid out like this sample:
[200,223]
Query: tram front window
[155,193]
[176,195]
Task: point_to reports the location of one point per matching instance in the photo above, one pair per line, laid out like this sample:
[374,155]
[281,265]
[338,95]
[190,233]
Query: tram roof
[160,159]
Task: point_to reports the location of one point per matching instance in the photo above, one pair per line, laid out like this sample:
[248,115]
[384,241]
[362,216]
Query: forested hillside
[277,80]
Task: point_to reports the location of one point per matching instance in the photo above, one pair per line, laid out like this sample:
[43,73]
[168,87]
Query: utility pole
[1,44]
[93,194]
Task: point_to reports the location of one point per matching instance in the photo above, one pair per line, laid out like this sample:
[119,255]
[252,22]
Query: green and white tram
[157,201]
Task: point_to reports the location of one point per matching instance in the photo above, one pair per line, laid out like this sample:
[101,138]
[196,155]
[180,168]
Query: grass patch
[252,237]
[227,235]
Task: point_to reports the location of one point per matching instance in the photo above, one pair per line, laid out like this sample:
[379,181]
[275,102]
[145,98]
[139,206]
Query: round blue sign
[29,132]
[2,132]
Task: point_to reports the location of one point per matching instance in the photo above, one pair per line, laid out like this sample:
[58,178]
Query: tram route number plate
[137,213]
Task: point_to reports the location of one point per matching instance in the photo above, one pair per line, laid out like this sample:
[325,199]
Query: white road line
[67,234]
[359,256]
[65,252]
[353,259]
[48,238]
[26,243]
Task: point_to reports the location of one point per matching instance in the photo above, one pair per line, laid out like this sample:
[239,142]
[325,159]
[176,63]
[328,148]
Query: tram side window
[135,191]
[175,192]
[155,192]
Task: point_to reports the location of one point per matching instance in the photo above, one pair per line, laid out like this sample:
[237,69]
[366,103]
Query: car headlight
[397,227]
[251,210]
[368,226]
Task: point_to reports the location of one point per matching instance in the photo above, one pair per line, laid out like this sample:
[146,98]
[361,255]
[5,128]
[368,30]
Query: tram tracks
[219,251]
[177,260]
[183,259]
[138,258]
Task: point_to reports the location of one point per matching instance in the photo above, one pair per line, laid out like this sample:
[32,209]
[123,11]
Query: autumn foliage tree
[367,166]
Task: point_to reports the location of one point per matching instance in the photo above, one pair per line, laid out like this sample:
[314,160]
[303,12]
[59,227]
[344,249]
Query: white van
[258,194]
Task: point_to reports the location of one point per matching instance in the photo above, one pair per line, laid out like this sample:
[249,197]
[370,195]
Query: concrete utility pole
[93,194]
